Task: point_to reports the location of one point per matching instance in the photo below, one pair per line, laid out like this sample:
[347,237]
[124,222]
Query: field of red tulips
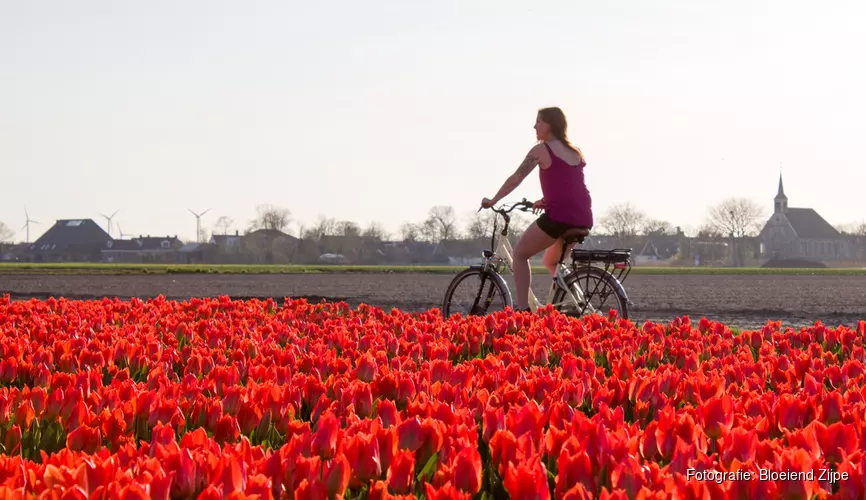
[246,399]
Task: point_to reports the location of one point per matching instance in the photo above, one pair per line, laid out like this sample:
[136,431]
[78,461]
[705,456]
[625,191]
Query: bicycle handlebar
[524,205]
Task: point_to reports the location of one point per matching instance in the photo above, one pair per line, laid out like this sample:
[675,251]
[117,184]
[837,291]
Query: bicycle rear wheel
[476,292]
[600,290]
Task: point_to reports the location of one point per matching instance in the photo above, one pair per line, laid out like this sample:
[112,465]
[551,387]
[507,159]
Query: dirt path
[741,301]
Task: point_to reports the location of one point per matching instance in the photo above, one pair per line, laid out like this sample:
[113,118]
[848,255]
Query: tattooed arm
[526,167]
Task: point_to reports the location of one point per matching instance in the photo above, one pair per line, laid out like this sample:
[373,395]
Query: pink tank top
[565,193]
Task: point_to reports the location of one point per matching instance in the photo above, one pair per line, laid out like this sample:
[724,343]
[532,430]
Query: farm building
[69,240]
[142,250]
[801,233]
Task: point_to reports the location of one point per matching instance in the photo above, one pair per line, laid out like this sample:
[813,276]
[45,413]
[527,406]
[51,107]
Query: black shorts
[553,228]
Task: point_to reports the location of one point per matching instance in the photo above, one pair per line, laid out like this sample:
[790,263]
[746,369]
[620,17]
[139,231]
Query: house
[12,252]
[142,250]
[227,243]
[270,246]
[800,233]
[659,247]
[69,240]
[196,253]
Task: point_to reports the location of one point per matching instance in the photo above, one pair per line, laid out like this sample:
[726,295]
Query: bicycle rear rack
[617,262]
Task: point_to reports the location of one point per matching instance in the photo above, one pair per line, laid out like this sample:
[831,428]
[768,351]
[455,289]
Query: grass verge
[115,269]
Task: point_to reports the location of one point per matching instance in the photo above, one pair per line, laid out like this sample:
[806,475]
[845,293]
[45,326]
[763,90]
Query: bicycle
[566,294]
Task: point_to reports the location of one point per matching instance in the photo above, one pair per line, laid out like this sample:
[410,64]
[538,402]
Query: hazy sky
[379,110]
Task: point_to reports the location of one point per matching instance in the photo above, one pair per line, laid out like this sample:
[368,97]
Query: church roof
[807,223]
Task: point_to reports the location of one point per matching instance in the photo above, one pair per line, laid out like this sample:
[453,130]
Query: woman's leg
[552,254]
[533,241]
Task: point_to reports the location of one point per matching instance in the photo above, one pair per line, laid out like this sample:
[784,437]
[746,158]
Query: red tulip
[260,485]
[84,438]
[184,483]
[24,414]
[790,412]
[467,471]
[249,415]
[410,433]
[527,481]
[837,441]
[336,477]
[367,369]
[831,408]
[405,390]
[793,486]
[446,492]
[131,491]
[577,492]
[326,439]
[227,429]
[494,420]
[311,490]
[363,455]
[717,416]
[401,472]
[363,400]
[387,413]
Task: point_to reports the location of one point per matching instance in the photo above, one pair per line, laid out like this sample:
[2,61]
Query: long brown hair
[554,117]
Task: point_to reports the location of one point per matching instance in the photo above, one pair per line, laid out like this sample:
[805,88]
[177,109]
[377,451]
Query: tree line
[732,217]
[735,216]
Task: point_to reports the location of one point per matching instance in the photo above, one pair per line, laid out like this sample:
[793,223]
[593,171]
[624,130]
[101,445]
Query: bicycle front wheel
[476,292]
[598,290]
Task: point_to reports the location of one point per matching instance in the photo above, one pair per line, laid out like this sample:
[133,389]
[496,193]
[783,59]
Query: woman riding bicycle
[565,198]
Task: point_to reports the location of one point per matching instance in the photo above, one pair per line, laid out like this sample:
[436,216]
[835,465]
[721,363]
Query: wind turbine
[198,224]
[27,224]
[120,230]
[109,220]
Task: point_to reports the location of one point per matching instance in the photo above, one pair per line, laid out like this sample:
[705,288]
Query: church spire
[781,201]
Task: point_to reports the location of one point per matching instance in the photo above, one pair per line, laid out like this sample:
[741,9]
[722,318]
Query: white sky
[379,110]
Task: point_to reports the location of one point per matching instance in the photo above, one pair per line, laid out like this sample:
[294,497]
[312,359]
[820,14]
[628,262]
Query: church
[800,233]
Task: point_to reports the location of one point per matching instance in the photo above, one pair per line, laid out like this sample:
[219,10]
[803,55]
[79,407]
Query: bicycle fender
[617,284]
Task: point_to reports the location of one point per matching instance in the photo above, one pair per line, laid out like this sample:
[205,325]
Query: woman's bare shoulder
[564,153]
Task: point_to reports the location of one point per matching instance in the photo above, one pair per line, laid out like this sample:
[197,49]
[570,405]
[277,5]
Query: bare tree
[324,226]
[203,236]
[443,222]
[5,233]
[656,227]
[375,230]
[429,230]
[409,231]
[708,231]
[223,224]
[623,221]
[348,228]
[480,224]
[271,217]
[736,216]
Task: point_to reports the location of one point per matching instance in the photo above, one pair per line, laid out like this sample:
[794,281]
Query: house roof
[155,242]
[223,239]
[69,234]
[808,224]
[195,247]
[117,245]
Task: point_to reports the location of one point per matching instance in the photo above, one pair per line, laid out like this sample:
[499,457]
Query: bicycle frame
[503,255]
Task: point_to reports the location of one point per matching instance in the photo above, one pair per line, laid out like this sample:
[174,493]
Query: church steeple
[781,201]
